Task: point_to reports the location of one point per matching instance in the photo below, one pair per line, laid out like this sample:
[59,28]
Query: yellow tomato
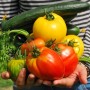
[76,42]
[51,26]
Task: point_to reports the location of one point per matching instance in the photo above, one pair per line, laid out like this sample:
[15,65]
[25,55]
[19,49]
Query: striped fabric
[8,7]
[12,7]
[83,22]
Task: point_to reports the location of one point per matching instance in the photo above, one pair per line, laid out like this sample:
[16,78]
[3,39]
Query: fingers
[63,82]
[82,74]
[21,79]
[20,82]
[68,82]
[5,75]
[30,80]
[79,73]
[47,83]
[38,82]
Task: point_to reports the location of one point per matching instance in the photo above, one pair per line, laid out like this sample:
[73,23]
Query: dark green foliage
[7,49]
[10,42]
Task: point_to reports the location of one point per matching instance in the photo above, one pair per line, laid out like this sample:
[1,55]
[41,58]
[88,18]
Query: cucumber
[28,17]
[72,29]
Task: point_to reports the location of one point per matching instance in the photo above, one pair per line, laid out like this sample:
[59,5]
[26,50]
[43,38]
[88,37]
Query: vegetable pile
[51,49]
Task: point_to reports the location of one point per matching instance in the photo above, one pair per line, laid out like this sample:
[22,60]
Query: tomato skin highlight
[50,29]
[49,65]
[69,57]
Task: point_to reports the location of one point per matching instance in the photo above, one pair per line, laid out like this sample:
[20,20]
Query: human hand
[80,74]
[21,79]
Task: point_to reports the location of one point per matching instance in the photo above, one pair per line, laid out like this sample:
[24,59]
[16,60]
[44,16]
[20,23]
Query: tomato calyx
[35,52]
[49,43]
[57,49]
[49,16]
[71,43]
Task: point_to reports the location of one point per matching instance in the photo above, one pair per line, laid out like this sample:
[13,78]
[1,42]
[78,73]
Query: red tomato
[48,65]
[28,46]
[69,57]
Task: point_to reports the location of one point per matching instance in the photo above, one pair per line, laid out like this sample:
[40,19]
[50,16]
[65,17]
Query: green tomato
[14,67]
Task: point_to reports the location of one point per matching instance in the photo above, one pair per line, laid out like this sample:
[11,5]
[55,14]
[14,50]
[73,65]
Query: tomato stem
[49,16]
[35,52]
[71,43]
[57,49]
[49,43]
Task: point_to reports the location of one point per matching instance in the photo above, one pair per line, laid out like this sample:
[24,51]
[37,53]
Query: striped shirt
[8,7]
[13,7]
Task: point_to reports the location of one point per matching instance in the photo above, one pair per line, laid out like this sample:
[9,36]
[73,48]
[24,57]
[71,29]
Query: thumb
[21,78]
[83,74]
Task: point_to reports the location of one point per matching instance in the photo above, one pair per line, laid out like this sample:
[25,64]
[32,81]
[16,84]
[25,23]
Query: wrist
[87,66]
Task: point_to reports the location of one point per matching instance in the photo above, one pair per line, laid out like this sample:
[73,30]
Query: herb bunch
[7,49]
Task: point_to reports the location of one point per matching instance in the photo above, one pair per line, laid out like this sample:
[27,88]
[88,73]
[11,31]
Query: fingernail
[44,83]
[7,75]
[23,70]
[55,83]
[31,76]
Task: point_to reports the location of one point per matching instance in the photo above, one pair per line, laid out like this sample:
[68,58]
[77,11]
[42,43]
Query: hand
[21,79]
[80,74]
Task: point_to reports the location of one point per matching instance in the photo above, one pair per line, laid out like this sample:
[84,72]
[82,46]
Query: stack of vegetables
[51,48]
